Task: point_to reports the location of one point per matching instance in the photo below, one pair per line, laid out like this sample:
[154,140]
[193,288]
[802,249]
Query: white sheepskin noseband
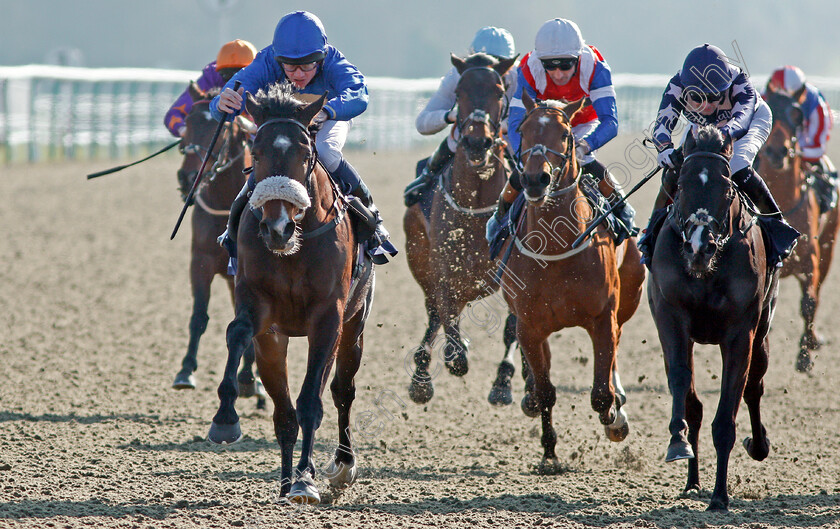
[280,188]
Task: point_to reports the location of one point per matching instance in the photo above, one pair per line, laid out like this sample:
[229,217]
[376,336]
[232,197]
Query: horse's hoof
[500,395]
[421,392]
[224,434]
[260,403]
[184,381]
[549,467]
[717,504]
[804,364]
[341,475]
[759,453]
[618,430]
[459,365]
[247,389]
[812,341]
[530,406]
[303,490]
[679,450]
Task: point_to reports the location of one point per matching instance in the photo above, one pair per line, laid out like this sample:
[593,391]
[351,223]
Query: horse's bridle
[541,150]
[221,161]
[702,217]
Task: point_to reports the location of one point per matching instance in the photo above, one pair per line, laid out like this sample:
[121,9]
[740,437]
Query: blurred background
[402,47]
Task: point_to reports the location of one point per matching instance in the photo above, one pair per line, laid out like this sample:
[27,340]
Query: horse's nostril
[545,179]
[710,249]
[289,230]
[687,248]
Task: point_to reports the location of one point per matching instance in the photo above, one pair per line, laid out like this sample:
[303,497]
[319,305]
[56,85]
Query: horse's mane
[278,99]
[709,139]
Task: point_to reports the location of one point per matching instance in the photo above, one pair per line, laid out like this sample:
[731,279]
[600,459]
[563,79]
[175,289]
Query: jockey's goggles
[707,97]
[291,68]
[562,63]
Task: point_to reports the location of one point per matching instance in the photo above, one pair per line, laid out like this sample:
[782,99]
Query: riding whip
[121,167]
[189,198]
[582,237]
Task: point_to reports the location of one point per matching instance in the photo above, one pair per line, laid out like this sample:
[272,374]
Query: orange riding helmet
[235,54]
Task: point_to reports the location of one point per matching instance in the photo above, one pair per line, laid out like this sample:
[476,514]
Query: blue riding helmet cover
[299,38]
[493,41]
[706,70]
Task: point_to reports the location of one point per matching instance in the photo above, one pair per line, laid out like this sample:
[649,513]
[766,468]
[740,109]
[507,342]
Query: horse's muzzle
[535,185]
[280,235]
[477,149]
[700,255]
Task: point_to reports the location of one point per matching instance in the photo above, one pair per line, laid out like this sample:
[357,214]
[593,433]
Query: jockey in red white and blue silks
[562,67]
[817,122]
[301,55]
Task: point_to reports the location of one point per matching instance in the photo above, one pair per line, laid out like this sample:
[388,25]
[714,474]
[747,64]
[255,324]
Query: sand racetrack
[94,306]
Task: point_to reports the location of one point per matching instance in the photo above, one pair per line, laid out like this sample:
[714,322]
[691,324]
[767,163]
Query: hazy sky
[404,38]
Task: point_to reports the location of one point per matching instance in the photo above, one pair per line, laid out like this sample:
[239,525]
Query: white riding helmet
[558,38]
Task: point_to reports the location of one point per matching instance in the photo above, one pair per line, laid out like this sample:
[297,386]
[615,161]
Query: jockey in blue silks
[708,90]
[440,111]
[301,55]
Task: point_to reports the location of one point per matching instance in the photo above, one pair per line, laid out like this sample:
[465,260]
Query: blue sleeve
[602,95]
[743,105]
[517,111]
[670,109]
[259,74]
[348,84]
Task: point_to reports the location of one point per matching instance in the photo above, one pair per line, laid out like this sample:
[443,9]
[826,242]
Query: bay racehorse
[549,286]
[780,163]
[301,272]
[218,188]
[447,252]
[710,284]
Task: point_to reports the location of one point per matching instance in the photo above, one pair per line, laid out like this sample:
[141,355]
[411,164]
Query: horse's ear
[796,115]
[726,151]
[195,92]
[254,108]
[505,65]
[527,101]
[573,108]
[689,143]
[305,114]
[459,63]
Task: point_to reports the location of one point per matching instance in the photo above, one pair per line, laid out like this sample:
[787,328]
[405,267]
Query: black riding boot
[780,235]
[380,248]
[625,212]
[424,181]
[823,180]
[228,239]
[647,242]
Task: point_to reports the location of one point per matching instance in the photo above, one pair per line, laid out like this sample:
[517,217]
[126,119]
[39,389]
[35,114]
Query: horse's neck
[474,187]
[786,183]
[322,196]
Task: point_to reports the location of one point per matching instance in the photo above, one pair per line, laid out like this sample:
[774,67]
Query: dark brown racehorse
[300,273]
[549,286]
[447,253]
[709,283]
[218,188]
[780,163]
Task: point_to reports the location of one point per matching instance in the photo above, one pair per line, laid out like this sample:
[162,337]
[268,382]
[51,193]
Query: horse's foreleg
[736,359]
[324,332]
[808,310]
[201,276]
[342,469]
[541,397]
[758,447]
[677,353]
[500,394]
[605,400]
[271,361]
[694,418]
[455,348]
[225,428]
[421,388]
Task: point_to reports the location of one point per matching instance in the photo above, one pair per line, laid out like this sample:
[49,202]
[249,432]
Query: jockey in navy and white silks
[301,55]
[563,67]
[708,90]
[440,111]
